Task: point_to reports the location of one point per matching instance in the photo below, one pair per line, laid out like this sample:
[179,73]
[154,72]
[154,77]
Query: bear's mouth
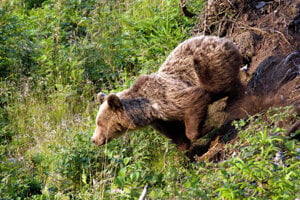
[105,141]
[100,142]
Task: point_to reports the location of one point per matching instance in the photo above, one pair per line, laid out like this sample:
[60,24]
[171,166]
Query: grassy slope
[56,55]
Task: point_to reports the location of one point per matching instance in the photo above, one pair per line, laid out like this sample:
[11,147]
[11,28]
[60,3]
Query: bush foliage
[56,55]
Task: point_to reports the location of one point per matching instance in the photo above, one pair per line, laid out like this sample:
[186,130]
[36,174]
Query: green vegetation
[56,55]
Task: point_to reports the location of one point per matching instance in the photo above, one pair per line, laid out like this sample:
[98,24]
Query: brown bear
[175,99]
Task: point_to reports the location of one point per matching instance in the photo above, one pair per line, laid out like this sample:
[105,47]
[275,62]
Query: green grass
[56,55]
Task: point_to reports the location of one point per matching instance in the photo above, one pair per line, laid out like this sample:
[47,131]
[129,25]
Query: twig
[184,9]
[230,3]
[143,195]
[283,36]
[294,127]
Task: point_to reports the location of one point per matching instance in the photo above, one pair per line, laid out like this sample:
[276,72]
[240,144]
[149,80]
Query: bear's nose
[93,140]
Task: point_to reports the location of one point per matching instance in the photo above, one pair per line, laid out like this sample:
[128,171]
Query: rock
[260,4]
[246,42]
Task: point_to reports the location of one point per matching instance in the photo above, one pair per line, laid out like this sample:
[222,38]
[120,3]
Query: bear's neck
[139,110]
[151,97]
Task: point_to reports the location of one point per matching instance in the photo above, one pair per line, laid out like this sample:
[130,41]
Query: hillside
[55,56]
[267,33]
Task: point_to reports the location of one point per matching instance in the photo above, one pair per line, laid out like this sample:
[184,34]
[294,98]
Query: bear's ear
[100,97]
[114,102]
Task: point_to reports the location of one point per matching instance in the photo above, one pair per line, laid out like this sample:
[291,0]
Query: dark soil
[268,35]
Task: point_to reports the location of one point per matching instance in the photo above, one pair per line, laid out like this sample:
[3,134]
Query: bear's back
[211,62]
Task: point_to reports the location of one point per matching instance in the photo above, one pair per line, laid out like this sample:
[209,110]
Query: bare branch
[184,9]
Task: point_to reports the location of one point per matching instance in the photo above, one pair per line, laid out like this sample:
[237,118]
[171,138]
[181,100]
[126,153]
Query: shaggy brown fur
[211,63]
[175,99]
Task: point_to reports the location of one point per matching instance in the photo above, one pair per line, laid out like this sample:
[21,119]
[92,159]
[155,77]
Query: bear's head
[112,120]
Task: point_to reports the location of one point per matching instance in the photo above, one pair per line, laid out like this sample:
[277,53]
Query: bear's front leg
[194,121]
[195,113]
[174,130]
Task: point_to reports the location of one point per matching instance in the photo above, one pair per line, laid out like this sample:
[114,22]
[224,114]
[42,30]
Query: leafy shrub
[16,49]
